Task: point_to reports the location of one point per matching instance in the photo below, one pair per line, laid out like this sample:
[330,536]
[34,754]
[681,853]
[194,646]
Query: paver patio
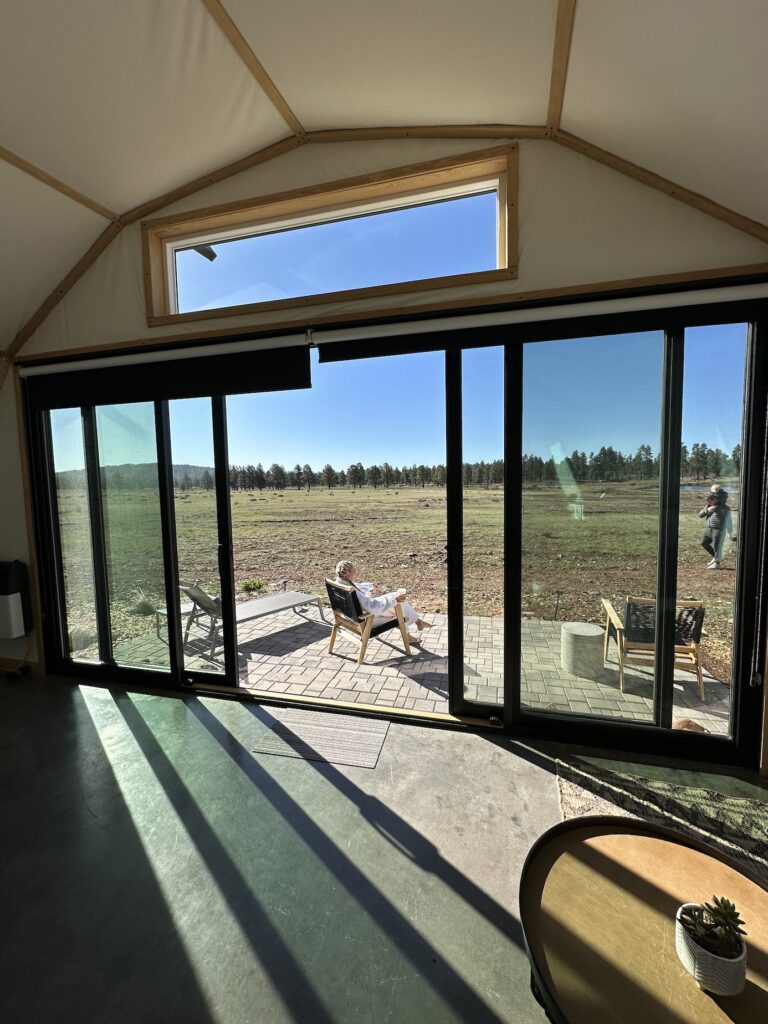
[287,654]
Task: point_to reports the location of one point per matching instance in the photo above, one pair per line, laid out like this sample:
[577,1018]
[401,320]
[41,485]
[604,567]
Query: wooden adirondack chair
[348,615]
[636,636]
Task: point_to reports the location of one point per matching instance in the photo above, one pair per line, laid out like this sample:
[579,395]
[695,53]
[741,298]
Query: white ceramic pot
[719,975]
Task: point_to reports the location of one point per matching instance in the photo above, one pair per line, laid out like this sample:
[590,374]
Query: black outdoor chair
[636,636]
[347,614]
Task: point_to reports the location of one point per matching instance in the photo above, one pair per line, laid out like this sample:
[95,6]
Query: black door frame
[750,641]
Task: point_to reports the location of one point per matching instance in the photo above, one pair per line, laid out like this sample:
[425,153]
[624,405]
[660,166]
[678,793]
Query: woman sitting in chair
[382,607]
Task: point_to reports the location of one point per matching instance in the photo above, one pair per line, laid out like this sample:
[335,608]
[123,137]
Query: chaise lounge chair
[348,615]
[202,605]
[636,636]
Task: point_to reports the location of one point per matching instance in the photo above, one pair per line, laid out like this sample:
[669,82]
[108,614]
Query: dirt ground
[575,550]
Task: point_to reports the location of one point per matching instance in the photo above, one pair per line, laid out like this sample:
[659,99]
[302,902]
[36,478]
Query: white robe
[383,607]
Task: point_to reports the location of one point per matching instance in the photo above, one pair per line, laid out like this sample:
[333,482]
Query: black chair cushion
[344,601]
[382,627]
[640,624]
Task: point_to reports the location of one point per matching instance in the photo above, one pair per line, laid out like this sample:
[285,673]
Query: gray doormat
[323,736]
[735,825]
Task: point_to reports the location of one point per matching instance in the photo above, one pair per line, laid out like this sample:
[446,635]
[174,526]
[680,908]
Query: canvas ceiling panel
[44,234]
[679,88]
[360,63]
[126,100]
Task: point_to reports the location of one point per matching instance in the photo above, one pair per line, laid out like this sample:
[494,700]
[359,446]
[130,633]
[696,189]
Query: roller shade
[565,318]
[183,373]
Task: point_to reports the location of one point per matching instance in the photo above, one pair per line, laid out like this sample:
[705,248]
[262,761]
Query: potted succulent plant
[709,942]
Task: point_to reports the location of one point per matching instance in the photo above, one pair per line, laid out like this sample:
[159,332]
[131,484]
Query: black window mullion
[98,541]
[224,517]
[168,529]
[513,529]
[669,526]
[750,608]
[454,469]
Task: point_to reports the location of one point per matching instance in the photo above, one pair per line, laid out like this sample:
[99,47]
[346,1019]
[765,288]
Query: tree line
[277,477]
[700,462]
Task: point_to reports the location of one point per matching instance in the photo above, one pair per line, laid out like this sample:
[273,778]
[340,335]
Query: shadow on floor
[87,933]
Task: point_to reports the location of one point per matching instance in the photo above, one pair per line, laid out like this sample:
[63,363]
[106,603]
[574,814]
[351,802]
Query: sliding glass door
[124,446]
[637,596]
[140,537]
[606,488]
[590,523]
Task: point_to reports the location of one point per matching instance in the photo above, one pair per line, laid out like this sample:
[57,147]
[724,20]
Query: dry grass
[397,538]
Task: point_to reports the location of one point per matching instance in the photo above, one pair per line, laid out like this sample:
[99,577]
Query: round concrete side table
[581,649]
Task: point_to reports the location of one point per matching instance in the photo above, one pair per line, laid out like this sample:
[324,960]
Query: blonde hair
[344,567]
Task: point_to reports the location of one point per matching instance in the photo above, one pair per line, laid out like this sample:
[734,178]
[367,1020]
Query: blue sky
[456,236]
[579,394]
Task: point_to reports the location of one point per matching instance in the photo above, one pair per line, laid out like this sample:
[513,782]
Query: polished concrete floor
[155,869]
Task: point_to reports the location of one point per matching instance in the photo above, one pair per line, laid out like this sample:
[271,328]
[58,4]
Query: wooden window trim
[499,162]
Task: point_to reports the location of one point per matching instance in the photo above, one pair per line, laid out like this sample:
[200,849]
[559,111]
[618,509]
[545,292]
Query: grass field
[397,538]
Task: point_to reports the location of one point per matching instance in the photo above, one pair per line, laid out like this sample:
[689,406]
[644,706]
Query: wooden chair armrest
[613,616]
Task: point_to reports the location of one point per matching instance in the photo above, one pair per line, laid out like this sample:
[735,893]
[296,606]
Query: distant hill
[131,476]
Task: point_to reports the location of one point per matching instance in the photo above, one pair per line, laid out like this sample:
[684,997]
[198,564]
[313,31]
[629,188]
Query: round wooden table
[597,904]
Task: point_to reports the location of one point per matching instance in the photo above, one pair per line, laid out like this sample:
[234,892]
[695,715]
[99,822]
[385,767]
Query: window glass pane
[353,470]
[591,430]
[197,535]
[74,528]
[710,499]
[132,532]
[482,372]
[455,236]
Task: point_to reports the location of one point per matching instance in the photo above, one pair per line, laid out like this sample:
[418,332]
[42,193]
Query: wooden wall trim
[717,276]
[233,34]
[340,195]
[566,12]
[408,176]
[670,188]
[55,183]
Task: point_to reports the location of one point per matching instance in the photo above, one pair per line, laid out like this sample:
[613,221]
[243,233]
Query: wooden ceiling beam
[223,19]
[55,183]
[669,188]
[430,131]
[566,11]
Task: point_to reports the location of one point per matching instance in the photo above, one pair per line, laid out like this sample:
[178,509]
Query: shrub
[252,586]
[81,637]
[143,605]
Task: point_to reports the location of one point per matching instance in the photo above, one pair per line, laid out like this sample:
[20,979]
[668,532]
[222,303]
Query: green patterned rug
[729,814]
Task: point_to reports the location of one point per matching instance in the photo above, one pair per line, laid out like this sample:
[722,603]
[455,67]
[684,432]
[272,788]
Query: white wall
[579,223]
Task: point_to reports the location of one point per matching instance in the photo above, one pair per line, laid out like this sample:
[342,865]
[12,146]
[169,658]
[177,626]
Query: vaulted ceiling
[107,105]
